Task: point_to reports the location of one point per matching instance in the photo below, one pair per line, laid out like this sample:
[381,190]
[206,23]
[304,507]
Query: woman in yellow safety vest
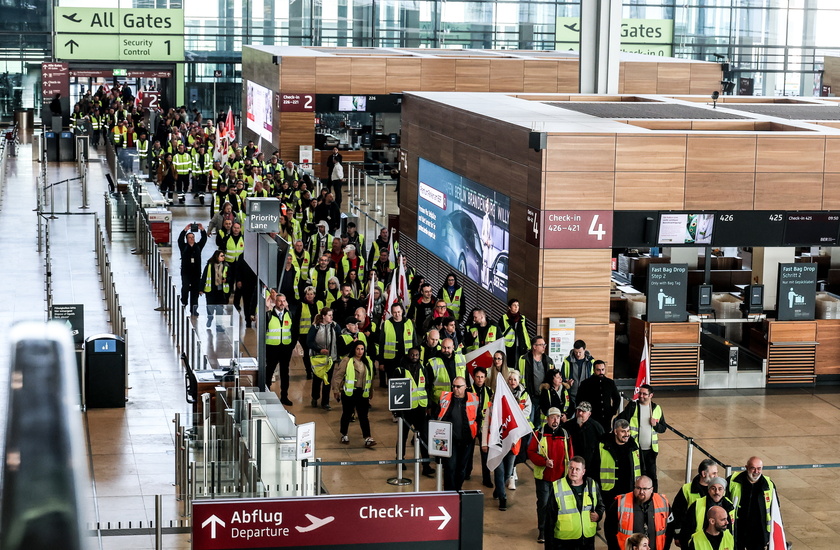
[322,344]
[216,286]
[354,388]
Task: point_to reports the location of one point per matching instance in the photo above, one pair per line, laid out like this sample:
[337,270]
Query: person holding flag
[549,451]
[508,414]
[758,521]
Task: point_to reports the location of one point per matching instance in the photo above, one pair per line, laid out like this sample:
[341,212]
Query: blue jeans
[501,474]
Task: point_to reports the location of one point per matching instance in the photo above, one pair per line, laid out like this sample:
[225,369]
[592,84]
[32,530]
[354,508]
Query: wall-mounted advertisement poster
[464,224]
[259,110]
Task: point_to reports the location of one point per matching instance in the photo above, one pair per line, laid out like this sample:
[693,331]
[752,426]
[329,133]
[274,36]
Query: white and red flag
[644,371]
[507,424]
[483,356]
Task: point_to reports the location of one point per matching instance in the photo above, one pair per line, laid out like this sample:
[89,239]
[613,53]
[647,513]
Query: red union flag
[644,371]
[483,356]
[507,424]
[777,532]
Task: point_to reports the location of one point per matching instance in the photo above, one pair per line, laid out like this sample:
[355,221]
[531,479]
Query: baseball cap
[554,410]
[584,406]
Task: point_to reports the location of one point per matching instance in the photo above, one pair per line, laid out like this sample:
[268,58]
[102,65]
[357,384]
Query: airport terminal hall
[420,275]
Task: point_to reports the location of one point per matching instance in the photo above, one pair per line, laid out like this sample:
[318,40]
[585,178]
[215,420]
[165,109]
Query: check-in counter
[674,352]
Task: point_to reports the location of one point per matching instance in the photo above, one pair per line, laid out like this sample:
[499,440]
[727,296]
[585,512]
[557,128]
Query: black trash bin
[52,146]
[105,367]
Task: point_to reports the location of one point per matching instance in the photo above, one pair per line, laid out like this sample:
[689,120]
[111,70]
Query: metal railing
[184,335]
[112,298]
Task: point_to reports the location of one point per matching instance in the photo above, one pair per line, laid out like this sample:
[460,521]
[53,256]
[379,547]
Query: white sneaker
[511,483]
[515,476]
[345,439]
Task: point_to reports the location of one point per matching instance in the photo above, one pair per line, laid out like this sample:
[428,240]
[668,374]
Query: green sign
[119,21]
[644,36]
[113,47]
[120,72]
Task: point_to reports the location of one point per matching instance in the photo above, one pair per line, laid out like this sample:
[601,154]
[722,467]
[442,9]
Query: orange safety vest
[472,409]
[661,510]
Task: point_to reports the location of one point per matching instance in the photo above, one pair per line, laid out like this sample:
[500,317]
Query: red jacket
[559,449]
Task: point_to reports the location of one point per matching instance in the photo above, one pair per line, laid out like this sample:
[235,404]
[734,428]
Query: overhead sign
[73,315]
[263,215]
[577,229]
[667,291]
[118,34]
[142,21]
[296,103]
[399,394]
[812,228]
[644,36]
[55,79]
[797,292]
[533,229]
[114,47]
[382,520]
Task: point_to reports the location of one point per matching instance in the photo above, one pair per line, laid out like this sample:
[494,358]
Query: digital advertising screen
[259,110]
[465,224]
[352,103]
[678,228]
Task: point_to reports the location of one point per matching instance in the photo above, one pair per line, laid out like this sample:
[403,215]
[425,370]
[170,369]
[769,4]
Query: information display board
[797,292]
[811,228]
[259,112]
[667,292]
[465,224]
[749,228]
[685,229]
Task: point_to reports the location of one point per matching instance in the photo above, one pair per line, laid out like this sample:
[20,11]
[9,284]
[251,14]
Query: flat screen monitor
[685,229]
[347,103]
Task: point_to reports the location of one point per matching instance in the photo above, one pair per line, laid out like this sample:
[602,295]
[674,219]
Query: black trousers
[648,459]
[321,390]
[190,290]
[182,184]
[360,405]
[278,355]
[455,467]
[306,362]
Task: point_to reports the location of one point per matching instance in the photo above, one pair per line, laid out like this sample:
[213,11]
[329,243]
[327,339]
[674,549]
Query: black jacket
[191,255]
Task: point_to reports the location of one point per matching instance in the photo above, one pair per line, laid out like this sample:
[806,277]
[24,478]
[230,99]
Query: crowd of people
[592,460]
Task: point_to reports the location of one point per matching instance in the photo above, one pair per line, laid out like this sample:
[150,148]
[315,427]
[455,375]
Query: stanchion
[439,476]
[399,480]
[688,459]
[416,464]
[158,526]
[304,477]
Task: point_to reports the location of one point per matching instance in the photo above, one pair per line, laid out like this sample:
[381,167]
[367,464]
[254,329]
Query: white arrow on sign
[213,521]
[445,518]
[398,399]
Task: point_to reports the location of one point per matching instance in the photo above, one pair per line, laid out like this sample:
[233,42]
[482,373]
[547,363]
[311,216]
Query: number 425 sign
[570,228]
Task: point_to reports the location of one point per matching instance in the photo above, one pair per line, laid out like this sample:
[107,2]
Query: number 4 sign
[572,228]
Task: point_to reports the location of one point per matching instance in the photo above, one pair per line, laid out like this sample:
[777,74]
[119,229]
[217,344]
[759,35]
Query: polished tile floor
[131,450]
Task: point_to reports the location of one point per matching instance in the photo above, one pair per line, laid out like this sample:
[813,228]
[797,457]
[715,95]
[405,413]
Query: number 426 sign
[570,228]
